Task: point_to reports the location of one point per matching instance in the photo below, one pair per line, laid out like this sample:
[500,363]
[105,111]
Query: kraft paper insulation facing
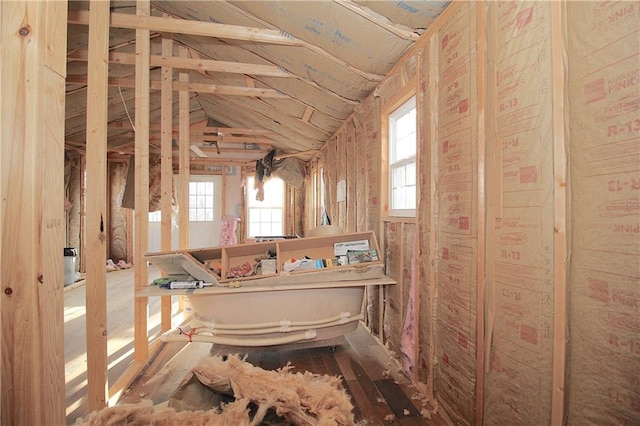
[604,142]
[457,212]
[254,396]
[520,220]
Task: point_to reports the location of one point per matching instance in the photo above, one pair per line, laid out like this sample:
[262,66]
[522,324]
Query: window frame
[398,102]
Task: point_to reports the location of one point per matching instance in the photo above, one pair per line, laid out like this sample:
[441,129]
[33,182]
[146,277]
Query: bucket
[69,265]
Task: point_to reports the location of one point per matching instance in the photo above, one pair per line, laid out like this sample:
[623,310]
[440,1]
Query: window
[155,216]
[402,159]
[265,218]
[200,201]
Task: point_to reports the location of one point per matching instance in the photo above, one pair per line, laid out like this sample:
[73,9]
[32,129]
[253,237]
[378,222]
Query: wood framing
[183,146]
[141,213]
[482,214]
[96,199]
[166,159]
[32,150]
[560,244]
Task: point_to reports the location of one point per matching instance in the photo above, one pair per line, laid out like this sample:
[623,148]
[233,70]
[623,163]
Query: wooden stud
[166,165]
[183,146]
[560,248]
[32,147]
[482,213]
[433,149]
[224,191]
[141,213]
[96,207]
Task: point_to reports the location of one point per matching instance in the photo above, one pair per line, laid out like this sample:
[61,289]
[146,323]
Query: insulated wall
[604,133]
[520,227]
[457,215]
[528,287]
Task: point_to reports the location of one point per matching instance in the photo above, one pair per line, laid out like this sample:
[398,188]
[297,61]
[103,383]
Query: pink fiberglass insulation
[301,398]
[408,338]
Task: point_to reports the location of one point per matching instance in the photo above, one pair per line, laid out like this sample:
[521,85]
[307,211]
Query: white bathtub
[259,316]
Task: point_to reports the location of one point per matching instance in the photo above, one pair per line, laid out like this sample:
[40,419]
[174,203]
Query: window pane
[410,175]
[402,153]
[265,217]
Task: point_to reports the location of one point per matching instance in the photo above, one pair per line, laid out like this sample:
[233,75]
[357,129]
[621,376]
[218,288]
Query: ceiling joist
[199,28]
[190,87]
[195,64]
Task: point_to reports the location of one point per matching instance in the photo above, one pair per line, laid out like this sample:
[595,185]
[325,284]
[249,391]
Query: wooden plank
[166,160]
[364,393]
[96,206]
[183,145]
[180,26]
[193,87]
[141,213]
[196,64]
[32,219]
[482,212]
[51,219]
[560,248]
[433,137]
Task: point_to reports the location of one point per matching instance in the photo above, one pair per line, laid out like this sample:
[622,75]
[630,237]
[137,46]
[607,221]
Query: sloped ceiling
[289,90]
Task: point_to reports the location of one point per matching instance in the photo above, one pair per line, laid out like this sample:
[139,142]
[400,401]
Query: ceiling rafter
[189,64]
[191,87]
[174,25]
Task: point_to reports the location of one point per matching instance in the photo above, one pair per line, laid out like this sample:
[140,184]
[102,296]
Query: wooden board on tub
[259,286]
[182,265]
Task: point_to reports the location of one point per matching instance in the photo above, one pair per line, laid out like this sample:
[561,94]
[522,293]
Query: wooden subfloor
[120,305]
[380,392]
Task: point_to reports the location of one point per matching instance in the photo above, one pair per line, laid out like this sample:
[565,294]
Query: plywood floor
[120,290]
[381,394]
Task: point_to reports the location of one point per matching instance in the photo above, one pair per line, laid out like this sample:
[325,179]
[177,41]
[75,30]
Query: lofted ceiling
[262,75]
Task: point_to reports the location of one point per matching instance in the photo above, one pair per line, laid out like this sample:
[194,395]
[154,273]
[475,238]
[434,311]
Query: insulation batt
[299,398]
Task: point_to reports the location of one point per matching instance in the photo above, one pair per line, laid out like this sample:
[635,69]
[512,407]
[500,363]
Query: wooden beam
[32,192]
[199,28]
[183,144]
[141,212]
[214,89]
[194,64]
[297,154]
[307,114]
[196,129]
[560,241]
[96,201]
[166,166]
[481,259]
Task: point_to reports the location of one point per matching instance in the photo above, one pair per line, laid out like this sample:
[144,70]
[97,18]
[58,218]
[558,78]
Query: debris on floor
[232,391]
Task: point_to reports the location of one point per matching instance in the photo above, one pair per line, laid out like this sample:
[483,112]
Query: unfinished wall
[604,143]
[521,216]
[457,214]
[528,223]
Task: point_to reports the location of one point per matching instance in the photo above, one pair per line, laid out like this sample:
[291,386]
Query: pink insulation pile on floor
[297,398]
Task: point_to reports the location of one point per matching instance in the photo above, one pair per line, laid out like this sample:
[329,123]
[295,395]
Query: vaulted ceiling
[262,75]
